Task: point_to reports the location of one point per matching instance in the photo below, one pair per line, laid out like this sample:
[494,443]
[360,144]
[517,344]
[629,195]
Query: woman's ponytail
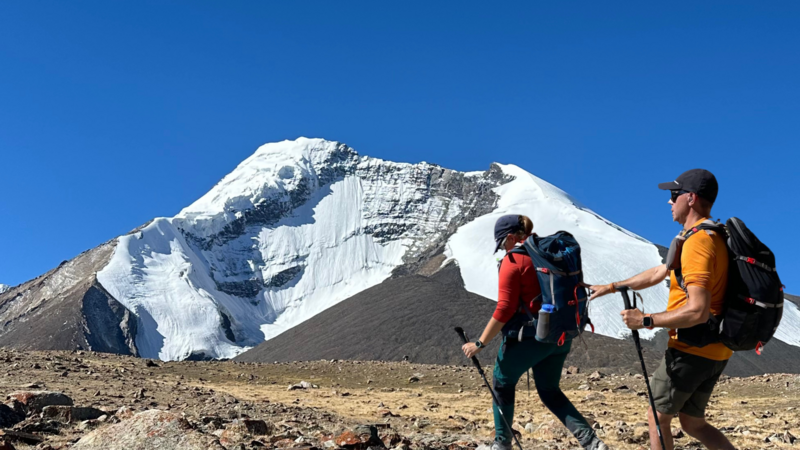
[527,225]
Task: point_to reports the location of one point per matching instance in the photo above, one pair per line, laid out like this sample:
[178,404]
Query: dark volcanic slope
[414,316]
[67,309]
[410,316]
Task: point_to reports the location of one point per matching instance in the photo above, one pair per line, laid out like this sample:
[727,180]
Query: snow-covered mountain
[302,225]
[4,287]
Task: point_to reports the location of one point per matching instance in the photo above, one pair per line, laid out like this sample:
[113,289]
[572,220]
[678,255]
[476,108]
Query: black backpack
[753,297]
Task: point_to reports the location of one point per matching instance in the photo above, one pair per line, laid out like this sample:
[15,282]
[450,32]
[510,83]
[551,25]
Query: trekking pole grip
[625,298]
[463,335]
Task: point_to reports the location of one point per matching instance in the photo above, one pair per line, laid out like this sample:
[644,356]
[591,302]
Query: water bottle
[543,324]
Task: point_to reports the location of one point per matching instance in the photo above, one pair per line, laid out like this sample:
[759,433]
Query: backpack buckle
[750,300]
[751,260]
[544,270]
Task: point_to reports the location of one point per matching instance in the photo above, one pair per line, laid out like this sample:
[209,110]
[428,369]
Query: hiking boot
[497,445]
[597,444]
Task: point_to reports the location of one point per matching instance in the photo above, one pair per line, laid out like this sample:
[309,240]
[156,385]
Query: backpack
[557,260]
[753,303]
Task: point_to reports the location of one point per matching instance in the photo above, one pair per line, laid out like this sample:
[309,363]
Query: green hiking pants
[547,361]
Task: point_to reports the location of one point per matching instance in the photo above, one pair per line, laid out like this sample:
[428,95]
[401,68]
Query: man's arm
[644,280]
[694,312]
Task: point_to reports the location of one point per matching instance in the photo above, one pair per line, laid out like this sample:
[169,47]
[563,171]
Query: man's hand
[600,290]
[632,318]
[470,349]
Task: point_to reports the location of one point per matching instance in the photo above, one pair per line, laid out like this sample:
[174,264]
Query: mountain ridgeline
[308,250]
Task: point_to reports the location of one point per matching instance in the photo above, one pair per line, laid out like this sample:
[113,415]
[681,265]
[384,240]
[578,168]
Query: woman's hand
[470,349]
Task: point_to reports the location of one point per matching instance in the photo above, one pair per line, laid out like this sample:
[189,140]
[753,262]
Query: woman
[518,282]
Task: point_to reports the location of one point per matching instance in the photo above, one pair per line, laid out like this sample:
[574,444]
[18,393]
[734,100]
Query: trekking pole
[477,364]
[624,291]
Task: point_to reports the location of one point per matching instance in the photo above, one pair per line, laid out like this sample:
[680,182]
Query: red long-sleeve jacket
[518,281]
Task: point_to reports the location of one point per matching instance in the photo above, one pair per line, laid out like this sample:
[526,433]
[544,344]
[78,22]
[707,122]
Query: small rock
[62,414]
[594,396]
[413,379]
[347,438]
[303,385]
[677,433]
[596,376]
[124,413]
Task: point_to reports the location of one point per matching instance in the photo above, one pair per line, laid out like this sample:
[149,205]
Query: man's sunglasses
[676,194]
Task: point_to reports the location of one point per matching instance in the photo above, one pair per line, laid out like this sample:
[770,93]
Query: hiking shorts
[683,383]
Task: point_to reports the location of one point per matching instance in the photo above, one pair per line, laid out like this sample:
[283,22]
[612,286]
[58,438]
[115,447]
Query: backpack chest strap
[756,263]
[753,301]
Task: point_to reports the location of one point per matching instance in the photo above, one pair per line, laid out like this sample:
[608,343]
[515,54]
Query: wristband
[648,318]
[613,288]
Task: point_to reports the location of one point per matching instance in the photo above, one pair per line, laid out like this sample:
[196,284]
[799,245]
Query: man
[683,382]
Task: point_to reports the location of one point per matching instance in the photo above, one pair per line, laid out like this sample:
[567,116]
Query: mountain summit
[296,228]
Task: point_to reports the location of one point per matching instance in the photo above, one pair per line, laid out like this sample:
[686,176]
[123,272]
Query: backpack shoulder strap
[521,250]
[707,224]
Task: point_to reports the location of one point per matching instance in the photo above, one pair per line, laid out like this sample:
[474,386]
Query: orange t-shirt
[704,263]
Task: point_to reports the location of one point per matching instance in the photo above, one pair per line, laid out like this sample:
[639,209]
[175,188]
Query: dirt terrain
[410,405]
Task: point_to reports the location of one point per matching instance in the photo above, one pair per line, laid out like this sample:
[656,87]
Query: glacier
[302,225]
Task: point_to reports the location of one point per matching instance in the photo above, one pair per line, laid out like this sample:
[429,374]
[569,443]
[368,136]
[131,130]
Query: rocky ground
[85,400]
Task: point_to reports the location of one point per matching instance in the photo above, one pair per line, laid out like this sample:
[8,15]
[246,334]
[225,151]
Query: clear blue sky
[112,113]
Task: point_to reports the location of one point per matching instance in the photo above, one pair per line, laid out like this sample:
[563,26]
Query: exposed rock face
[423,202]
[66,309]
[149,430]
[293,230]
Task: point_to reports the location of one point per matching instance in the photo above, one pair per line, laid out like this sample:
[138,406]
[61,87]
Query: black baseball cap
[504,226]
[700,181]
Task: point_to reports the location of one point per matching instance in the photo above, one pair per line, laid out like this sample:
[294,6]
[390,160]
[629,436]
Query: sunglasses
[676,194]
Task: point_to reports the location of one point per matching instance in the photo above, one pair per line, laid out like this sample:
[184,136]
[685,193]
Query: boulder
[70,414]
[35,401]
[148,430]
